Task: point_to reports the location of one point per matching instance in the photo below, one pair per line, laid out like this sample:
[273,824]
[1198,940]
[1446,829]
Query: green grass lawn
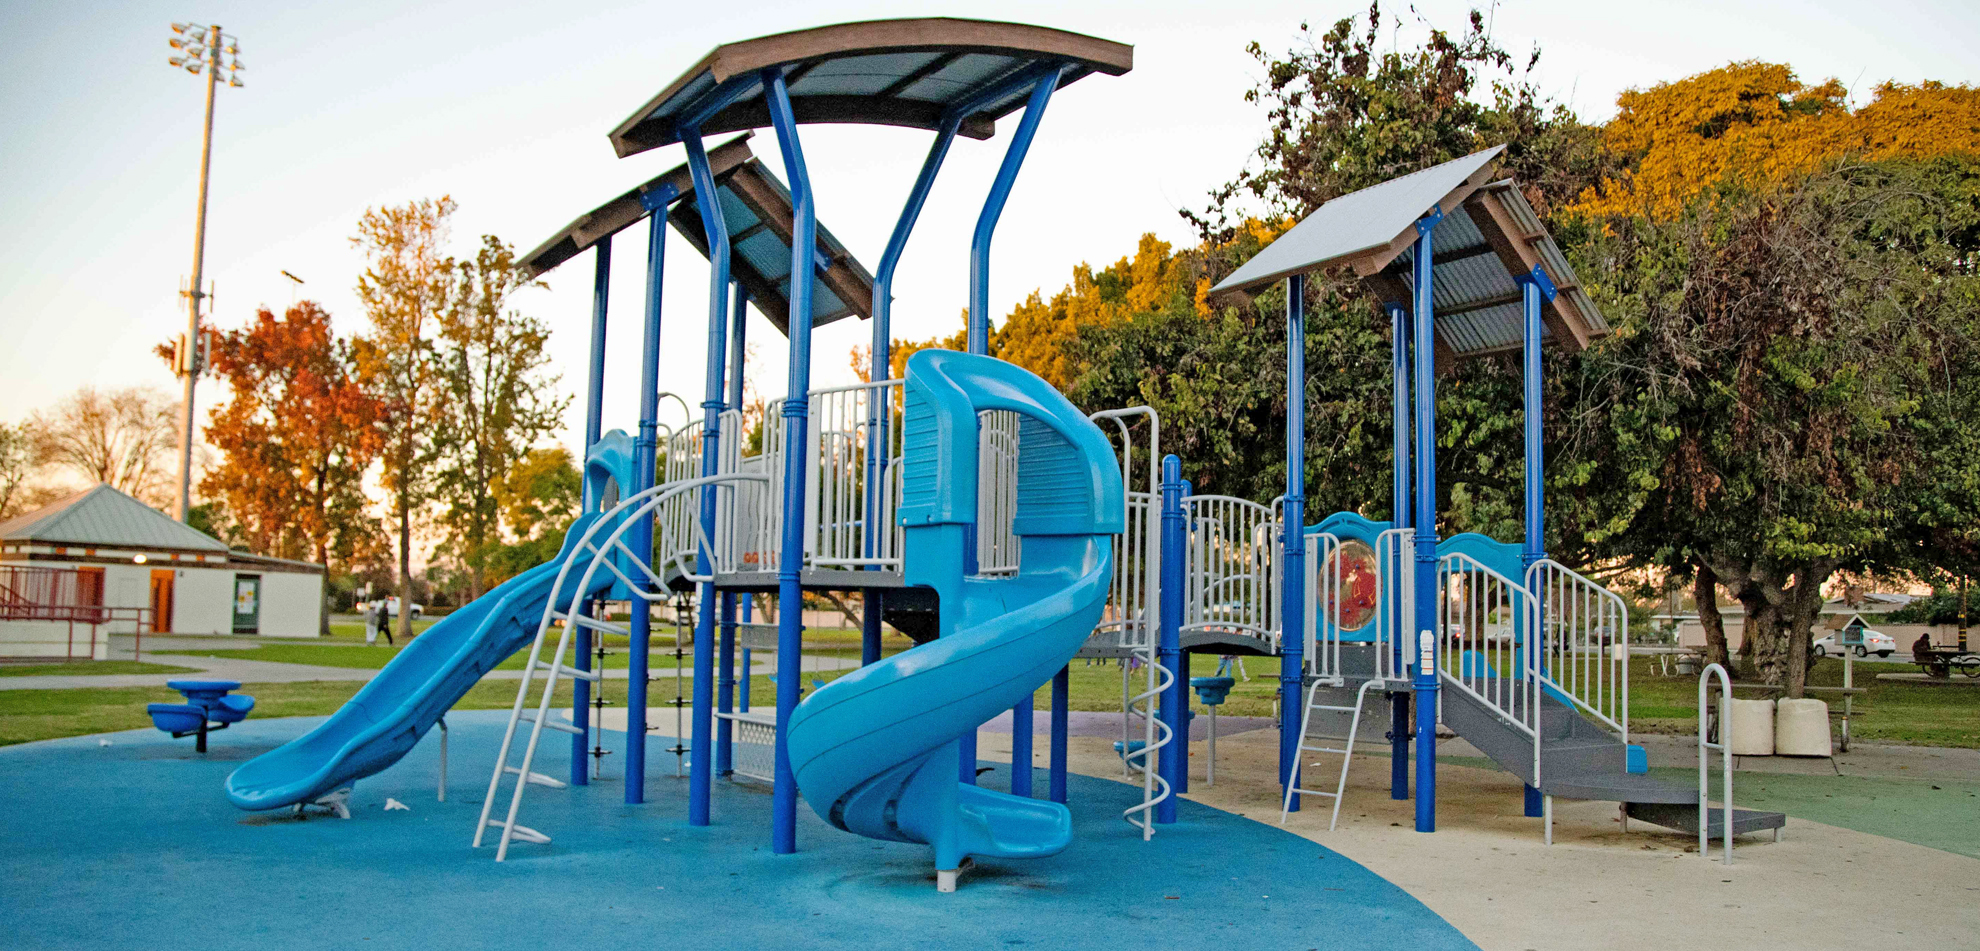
[1887,713]
[90,668]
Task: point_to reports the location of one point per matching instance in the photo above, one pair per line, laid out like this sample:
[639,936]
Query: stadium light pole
[199,49]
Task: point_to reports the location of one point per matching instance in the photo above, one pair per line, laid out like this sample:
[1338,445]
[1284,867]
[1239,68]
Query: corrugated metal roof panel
[1357,223]
[104,516]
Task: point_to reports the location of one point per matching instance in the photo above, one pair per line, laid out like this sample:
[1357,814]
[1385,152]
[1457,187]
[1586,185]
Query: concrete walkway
[1597,888]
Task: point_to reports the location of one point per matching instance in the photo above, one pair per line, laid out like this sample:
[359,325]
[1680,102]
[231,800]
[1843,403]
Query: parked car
[1874,642]
[391,606]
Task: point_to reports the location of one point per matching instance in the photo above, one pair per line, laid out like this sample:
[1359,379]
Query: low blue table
[210,705]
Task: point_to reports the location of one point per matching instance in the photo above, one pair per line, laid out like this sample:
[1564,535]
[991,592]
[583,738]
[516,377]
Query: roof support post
[594,413]
[1425,681]
[1292,567]
[1534,287]
[702,731]
[640,537]
[993,208]
[881,353]
[1399,517]
[797,411]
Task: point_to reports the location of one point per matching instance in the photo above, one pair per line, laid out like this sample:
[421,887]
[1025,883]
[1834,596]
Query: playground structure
[975,511]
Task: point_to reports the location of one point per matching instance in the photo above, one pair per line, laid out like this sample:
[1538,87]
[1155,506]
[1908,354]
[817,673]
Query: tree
[122,437]
[498,399]
[406,287]
[538,499]
[15,466]
[295,438]
[1788,367]
[1754,124]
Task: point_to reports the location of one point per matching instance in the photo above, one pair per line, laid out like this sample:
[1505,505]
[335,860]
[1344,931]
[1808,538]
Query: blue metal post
[1399,517]
[739,353]
[797,407]
[1534,288]
[594,422]
[1180,686]
[702,729]
[993,208]
[1021,726]
[1425,643]
[1292,610]
[725,695]
[1061,702]
[1168,651]
[878,440]
[640,538]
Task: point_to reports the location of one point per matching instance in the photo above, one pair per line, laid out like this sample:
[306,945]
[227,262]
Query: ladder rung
[1323,706]
[591,675]
[535,777]
[557,725]
[1316,792]
[520,831]
[1324,749]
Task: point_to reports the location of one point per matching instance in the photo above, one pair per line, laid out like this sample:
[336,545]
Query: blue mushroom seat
[232,708]
[176,717]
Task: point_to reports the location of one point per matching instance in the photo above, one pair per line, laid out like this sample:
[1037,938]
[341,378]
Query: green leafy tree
[498,400]
[1786,395]
[538,498]
[406,287]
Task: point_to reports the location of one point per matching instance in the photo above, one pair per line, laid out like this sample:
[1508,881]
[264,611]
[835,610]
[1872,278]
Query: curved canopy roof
[1488,238]
[756,207]
[908,72]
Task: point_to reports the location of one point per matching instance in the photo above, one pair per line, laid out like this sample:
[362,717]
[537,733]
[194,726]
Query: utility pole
[202,47]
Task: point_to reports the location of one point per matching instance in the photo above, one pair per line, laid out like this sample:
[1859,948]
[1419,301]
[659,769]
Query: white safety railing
[1584,643]
[1396,596]
[1325,581]
[1487,621]
[854,434]
[1231,567]
[996,492]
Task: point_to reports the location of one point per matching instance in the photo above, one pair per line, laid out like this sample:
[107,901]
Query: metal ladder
[539,720]
[1346,752]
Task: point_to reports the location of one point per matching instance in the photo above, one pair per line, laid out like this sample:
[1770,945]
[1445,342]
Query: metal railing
[1231,568]
[1724,746]
[854,434]
[1486,622]
[1133,612]
[1584,642]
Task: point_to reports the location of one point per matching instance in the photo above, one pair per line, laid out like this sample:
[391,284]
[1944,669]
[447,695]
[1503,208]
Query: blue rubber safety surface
[134,845]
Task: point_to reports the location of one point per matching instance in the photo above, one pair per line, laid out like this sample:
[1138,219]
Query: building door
[161,600]
[247,604]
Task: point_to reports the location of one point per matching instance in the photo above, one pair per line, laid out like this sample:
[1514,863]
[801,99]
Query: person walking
[385,624]
[371,624]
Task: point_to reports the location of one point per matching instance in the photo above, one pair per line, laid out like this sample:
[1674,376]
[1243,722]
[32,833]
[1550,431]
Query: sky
[505,106]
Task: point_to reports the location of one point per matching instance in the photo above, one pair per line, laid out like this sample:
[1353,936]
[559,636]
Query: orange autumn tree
[295,438]
[1755,124]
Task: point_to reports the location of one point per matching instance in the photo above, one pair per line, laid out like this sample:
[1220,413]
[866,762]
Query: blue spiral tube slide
[875,752]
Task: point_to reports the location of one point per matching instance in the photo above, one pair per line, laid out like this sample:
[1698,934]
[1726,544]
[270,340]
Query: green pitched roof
[105,517]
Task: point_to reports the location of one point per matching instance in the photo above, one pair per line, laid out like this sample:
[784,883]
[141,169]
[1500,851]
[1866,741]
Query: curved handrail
[1724,746]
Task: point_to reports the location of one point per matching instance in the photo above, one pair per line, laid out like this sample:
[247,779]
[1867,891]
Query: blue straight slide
[387,717]
[876,752]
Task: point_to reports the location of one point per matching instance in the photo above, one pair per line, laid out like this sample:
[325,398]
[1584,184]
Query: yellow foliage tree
[1756,124]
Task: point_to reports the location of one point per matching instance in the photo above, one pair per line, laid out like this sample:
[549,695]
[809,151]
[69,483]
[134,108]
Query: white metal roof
[105,517]
[1357,223]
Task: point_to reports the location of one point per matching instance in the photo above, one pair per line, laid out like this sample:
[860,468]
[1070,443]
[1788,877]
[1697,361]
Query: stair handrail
[1724,746]
[1502,697]
[1554,583]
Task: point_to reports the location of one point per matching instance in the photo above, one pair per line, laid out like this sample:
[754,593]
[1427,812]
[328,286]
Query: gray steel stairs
[1580,760]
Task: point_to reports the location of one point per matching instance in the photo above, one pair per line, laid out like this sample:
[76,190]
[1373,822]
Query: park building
[102,563]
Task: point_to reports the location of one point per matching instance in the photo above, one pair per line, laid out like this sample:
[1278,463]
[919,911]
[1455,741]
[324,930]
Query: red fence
[65,595]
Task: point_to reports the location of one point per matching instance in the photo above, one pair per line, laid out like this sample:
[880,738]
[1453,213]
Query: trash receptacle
[1801,728]
[1750,728]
